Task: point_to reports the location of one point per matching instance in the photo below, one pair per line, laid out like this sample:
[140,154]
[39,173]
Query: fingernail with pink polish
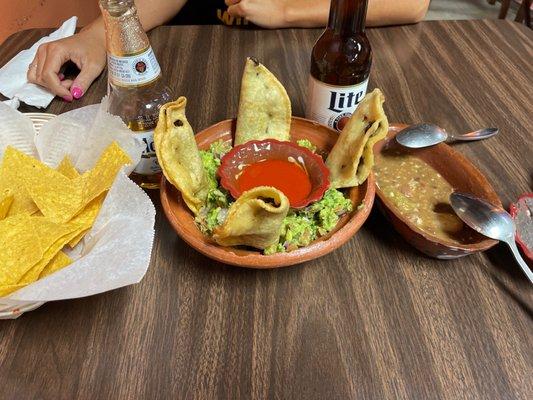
[61,76]
[76,91]
[68,99]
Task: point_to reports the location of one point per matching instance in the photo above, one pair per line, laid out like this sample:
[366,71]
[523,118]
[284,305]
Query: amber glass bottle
[340,65]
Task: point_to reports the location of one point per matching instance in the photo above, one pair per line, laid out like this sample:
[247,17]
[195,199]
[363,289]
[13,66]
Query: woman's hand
[86,49]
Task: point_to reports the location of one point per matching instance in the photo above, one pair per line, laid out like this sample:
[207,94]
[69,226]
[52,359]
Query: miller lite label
[333,105]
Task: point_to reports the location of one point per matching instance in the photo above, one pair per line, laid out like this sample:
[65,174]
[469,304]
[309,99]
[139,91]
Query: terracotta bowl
[461,174]
[259,150]
[182,220]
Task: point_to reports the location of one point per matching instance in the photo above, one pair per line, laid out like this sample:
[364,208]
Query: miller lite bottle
[340,65]
[135,86]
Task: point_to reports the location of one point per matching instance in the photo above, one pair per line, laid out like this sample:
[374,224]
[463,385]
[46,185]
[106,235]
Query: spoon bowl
[489,220]
[483,217]
[424,135]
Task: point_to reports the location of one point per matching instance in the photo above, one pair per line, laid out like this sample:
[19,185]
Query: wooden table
[373,320]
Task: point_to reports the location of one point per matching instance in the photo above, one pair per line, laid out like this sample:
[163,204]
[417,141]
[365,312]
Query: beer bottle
[135,86]
[340,65]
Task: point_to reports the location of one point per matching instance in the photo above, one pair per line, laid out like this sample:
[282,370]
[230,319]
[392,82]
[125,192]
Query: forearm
[307,13]
[314,13]
[151,13]
[381,12]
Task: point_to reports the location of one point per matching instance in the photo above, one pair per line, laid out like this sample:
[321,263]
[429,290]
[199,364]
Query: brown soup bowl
[183,223]
[461,174]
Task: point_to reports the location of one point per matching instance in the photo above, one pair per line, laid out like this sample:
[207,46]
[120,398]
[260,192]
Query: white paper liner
[116,252]
[16,130]
[83,134]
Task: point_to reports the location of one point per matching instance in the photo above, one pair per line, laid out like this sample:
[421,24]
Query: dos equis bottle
[135,86]
[340,65]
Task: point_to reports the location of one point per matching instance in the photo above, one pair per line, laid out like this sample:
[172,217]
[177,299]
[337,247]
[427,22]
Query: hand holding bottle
[86,49]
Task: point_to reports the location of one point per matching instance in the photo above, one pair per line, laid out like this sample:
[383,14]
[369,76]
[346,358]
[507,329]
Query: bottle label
[333,105]
[148,164]
[133,70]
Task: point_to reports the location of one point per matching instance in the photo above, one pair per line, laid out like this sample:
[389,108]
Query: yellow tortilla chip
[99,179]
[351,159]
[8,289]
[9,180]
[76,239]
[58,197]
[255,219]
[20,248]
[51,251]
[60,261]
[6,199]
[178,154]
[67,168]
[85,219]
[264,106]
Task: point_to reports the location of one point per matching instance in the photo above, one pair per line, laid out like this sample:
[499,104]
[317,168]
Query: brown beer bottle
[340,65]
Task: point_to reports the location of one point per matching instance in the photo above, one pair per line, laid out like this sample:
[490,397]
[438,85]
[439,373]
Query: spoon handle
[477,135]
[511,243]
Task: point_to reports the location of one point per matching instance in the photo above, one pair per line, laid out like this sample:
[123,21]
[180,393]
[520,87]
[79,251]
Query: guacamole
[307,144]
[299,228]
[218,199]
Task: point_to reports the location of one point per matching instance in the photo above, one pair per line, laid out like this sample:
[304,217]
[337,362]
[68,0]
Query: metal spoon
[423,135]
[489,220]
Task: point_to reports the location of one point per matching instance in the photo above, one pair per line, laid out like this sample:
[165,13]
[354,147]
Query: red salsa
[286,176]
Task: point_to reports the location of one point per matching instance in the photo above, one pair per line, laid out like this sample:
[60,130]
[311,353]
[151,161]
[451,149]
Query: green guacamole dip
[300,227]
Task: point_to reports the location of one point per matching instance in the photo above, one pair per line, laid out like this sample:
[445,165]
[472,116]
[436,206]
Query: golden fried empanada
[351,159]
[255,219]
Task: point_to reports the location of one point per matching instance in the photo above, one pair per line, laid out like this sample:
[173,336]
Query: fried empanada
[178,154]
[264,106]
[255,219]
[351,159]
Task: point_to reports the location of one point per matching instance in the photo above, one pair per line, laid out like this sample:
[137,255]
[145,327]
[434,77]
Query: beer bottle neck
[124,32]
[347,16]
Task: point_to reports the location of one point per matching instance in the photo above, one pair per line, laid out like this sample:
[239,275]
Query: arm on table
[314,13]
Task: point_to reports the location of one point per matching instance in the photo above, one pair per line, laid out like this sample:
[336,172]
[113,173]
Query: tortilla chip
[58,197]
[9,180]
[6,199]
[8,289]
[255,219]
[351,159]
[76,239]
[20,248]
[178,155]
[52,238]
[60,261]
[67,168]
[85,219]
[99,179]
[264,106]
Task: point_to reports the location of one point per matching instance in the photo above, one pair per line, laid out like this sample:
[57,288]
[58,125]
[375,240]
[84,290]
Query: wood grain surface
[373,320]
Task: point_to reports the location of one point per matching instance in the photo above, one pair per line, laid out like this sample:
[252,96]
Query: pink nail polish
[68,99]
[76,91]
[61,76]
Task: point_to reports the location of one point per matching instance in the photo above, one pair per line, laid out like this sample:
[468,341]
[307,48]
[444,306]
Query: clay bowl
[182,220]
[259,150]
[461,174]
